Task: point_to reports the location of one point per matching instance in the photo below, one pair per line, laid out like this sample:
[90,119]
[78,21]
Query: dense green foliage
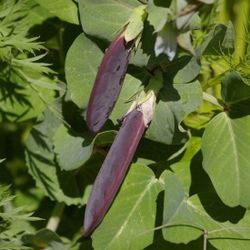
[188,185]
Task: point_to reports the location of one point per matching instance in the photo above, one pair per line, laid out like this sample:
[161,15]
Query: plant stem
[241,9]
[224,15]
[55,218]
[205,240]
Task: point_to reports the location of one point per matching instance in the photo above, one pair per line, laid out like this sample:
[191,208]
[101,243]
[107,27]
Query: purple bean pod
[116,164]
[108,82]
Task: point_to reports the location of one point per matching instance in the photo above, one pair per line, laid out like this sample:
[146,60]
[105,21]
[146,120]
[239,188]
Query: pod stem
[55,218]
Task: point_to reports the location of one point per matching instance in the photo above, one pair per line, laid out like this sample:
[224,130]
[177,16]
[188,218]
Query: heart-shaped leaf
[186,218]
[226,157]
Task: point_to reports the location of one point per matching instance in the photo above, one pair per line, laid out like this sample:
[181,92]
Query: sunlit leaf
[189,72]
[40,159]
[176,102]
[157,15]
[82,61]
[23,103]
[185,41]
[105,19]
[132,213]
[226,157]
[136,21]
[64,9]
[74,149]
[131,86]
[186,219]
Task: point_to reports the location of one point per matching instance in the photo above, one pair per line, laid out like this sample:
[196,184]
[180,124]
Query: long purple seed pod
[108,82]
[116,164]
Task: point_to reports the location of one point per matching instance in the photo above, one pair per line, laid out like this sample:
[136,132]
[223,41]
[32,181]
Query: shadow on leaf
[202,185]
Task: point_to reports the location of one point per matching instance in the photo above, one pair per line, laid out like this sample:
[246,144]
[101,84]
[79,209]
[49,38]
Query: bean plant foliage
[172,152]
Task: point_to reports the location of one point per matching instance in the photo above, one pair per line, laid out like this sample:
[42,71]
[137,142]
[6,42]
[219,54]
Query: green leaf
[22,103]
[132,213]
[185,41]
[43,238]
[188,21]
[29,198]
[14,222]
[177,6]
[105,19]
[221,38]
[23,76]
[37,14]
[135,25]
[182,168]
[64,9]
[176,102]
[195,22]
[231,236]
[202,116]
[58,185]
[139,58]
[229,39]
[189,72]
[226,157]
[176,213]
[157,15]
[74,149]
[82,61]
[130,87]
[239,109]
[186,219]
[183,21]
[233,88]
[144,53]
